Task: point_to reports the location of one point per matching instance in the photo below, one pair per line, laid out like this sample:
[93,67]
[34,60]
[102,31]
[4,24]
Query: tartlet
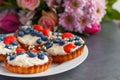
[64,47]
[28,62]
[8,44]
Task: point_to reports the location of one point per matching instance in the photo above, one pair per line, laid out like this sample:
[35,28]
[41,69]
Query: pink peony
[49,19]
[29,4]
[10,22]
[95,28]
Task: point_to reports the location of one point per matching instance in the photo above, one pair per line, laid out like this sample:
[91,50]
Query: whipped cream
[56,49]
[28,39]
[25,60]
[5,51]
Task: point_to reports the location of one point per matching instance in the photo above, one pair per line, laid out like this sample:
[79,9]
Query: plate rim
[81,58]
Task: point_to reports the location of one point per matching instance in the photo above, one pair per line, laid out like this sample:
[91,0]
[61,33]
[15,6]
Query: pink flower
[10,22]
[95,28]
[49,19]
[1,2]
[29,4]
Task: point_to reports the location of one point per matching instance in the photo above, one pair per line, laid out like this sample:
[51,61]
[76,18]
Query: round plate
[54,69]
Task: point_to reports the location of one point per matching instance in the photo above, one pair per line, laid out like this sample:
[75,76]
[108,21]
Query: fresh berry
[78,43]
[15,43]
[47,32]
[31,54]
[10,39]
[21,33]
[19,49]
[68,48]
[70,39]
[41,55]
[39,41]
[34,32]
[48,44]
[20,53]
[38,28]
[77,38]
[61,42]
[44,38]
[2,37]
[46,53]
[56,40]
[35,51]
[8,46]
[39,34]
[26,31]
[67,35]
[13,56]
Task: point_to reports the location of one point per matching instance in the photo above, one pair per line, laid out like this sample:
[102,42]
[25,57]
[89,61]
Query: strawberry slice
[35,51]
[38,28]
[68,48]
[47,32]
[67,35]
[10,39]
[19,49]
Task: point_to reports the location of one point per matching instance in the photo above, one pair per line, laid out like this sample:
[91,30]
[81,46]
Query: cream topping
[56,49]
[5,51]
[25,60]
[28,39]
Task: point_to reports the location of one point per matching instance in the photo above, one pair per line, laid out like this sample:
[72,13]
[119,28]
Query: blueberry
[21,33]
[78,43]
[39,34]
[8,46]
[49,44]
[2,37]
[39,41]
[34,32]
[77,38]
[62,42]
[31,54]
[13,56]
[41,55]
[30,29]
[56,40]
[44,38]
[27,31]
[15,43]
[20,53]
[46,53]
[70,39]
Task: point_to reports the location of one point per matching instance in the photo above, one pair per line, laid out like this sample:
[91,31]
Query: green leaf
[110,2]
[112,14]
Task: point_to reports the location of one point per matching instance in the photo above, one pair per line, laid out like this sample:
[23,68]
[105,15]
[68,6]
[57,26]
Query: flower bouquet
[81,16]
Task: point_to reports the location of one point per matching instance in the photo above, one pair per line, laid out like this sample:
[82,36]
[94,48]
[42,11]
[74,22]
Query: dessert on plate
[33,37]
[64,47]
[28,62]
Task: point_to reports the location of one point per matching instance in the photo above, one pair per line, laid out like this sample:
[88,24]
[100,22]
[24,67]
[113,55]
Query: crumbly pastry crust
[70,56]
[2,57]
[28,69]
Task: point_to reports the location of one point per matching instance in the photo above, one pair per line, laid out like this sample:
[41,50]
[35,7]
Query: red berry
[10,39]
[19,49]
[35,51]
[38,28]
[47,32]
[68,35]
[68,48]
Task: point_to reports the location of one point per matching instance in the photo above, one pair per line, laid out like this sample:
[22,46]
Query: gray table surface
[103,62]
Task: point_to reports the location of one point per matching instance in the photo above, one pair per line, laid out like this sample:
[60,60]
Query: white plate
[54,69]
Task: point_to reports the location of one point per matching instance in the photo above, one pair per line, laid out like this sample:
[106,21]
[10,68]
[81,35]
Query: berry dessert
[28,62]
[33,38]
[8,44]
[64,47]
